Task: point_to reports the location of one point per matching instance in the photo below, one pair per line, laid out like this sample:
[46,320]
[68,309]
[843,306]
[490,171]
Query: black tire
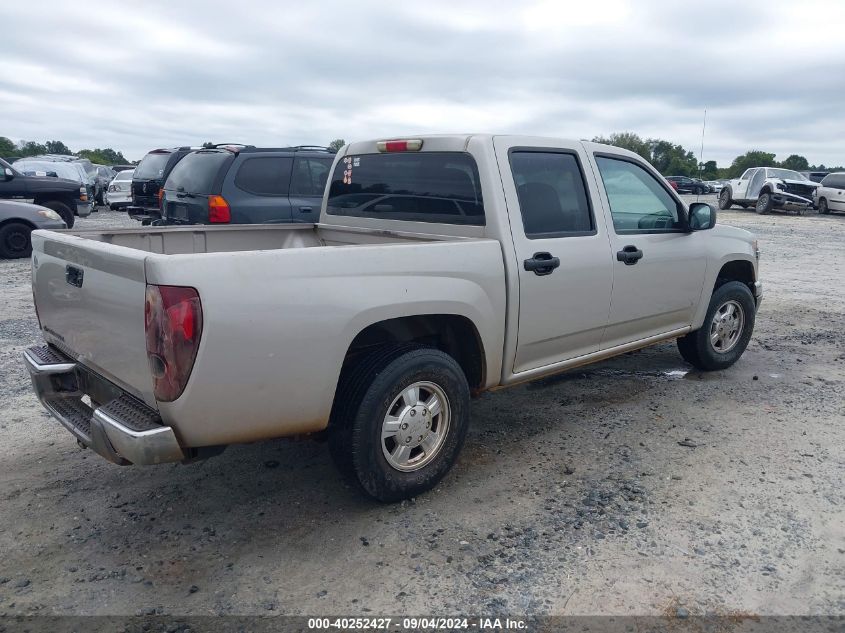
[363,402]
[763,206]
[15,240]
[62,209]
[725,201]
[823,208]
[697,348]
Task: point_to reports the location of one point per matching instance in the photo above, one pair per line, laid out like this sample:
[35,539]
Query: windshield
[126,174]
[786,174]
[62,170]
[152,166]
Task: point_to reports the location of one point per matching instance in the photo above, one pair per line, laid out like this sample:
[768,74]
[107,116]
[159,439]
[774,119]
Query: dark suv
[149,178]
[66,197]
[685,184]
[247,185]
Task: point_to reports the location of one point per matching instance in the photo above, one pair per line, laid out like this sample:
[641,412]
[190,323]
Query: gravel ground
[633,486]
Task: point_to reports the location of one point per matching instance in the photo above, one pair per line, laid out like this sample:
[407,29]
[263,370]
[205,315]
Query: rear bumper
[143,213]
[122,429]
[83,209]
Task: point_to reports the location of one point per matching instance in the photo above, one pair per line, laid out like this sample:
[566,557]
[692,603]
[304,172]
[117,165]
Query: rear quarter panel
[277,325]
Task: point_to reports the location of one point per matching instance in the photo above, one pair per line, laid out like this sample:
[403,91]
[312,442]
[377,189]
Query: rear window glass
[196,172]
[440,187]
[265,175]
[152,166]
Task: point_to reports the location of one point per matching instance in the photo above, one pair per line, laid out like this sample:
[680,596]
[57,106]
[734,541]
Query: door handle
[630,255]
[541,264]
[305,209]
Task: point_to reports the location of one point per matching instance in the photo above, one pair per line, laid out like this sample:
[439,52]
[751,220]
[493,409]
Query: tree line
[673,160]
[105,156]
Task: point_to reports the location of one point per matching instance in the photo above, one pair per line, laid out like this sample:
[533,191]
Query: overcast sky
[138,75]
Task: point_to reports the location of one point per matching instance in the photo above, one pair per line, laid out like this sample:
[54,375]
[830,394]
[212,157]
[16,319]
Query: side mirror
[8,174]
[701,216]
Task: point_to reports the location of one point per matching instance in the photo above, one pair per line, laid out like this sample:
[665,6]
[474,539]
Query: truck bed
[225,239]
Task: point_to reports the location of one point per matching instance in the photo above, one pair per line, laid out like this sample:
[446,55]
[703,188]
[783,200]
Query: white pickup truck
[442,267]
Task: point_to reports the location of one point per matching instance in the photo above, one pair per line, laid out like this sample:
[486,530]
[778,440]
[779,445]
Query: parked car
[715,186]
[119,192]
[17,221]
[815,176]
[65,196]
[685,184]
[57,169]
[768,188]
[86,170]
[442,266]
[247,185]
[104,177]
[830,194]
[148,180]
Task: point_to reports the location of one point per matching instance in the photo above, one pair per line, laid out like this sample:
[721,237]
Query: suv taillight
[218,210]
[173,324]
[160,195]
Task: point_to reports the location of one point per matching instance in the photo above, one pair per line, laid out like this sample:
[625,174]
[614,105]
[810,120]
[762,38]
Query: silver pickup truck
[442,267]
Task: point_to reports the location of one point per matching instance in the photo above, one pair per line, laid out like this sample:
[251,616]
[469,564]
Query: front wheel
[15,240]
[764,203]
[405,422]
[725,201]
[726,331]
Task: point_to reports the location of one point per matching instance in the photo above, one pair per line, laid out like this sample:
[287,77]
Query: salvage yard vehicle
[830,195]
[148,179]
[119,192]
[242,184]
[442,267]
[64,196]
[17,221]
[685,184]
[768,188]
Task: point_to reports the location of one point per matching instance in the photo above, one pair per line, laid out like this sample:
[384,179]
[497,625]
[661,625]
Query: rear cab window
[197,172]
[435,187]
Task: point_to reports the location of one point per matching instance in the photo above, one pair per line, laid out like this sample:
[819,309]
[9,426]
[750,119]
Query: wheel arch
[453,334]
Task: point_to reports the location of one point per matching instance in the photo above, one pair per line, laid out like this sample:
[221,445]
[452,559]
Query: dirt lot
[572,496]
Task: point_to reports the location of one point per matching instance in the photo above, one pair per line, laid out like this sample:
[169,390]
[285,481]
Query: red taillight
[218,210]
[406,145]
[173,324]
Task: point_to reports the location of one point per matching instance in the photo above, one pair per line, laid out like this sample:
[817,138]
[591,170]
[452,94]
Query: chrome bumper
[123,430]
[757,289]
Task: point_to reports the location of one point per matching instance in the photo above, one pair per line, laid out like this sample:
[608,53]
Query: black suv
[149,178]
[66,197]
[689,185]
[247,185]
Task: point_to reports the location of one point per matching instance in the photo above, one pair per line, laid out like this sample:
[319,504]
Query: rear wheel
[764,203]
[726,331]
[400,421]
[823,208]
[725,201]
[62,209]
[15,240]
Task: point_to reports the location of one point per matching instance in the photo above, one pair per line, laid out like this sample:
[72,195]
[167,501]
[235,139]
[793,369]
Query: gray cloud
[142,75]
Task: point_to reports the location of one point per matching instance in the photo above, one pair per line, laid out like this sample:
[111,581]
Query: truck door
[658,266]
[562,252]
[740,187]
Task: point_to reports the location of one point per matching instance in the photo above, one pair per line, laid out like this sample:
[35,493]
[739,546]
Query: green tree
[754,158]
[627,140]
[672,160]
[106,156]
[31,148]
[710,171]
[336,144]
[57,147]
[796,162]
[7,147]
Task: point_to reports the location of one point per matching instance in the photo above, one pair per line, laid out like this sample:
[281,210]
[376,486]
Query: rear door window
[439,187]
[310,176]
[552,195]
[265,175]
[197,172]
